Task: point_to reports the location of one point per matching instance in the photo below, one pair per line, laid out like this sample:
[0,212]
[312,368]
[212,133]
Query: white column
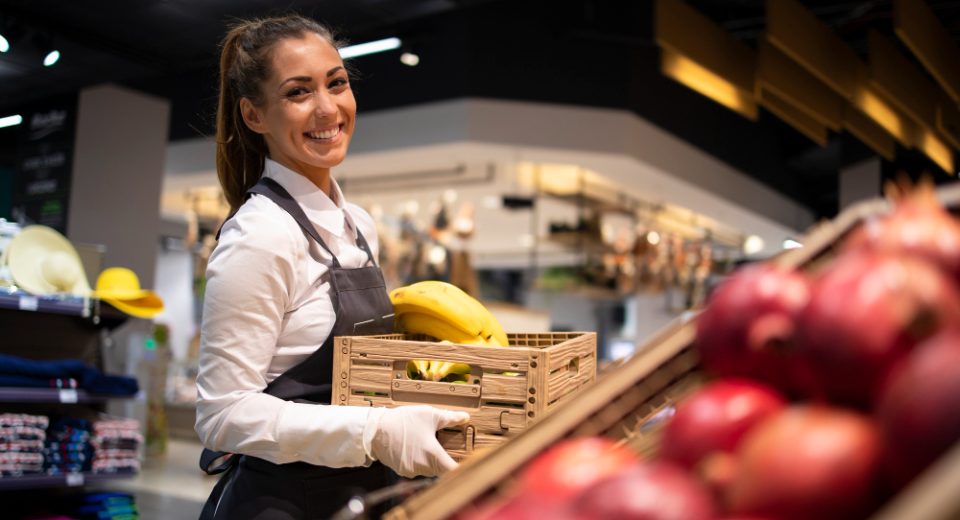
[118,170]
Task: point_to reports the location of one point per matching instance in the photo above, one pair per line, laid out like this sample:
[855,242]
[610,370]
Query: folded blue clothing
[88,377]
[7,380]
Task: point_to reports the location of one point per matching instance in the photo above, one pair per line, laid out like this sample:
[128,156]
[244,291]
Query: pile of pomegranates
[831,389]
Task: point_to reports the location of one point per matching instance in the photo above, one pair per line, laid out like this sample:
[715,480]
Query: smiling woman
[307,112]
[294,267]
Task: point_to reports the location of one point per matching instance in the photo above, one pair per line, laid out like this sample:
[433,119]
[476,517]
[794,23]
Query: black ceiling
[586,52]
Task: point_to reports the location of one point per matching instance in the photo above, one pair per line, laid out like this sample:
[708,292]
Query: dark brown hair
[244,66]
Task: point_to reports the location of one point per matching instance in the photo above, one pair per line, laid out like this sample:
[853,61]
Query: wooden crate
[633,395]
[509,387]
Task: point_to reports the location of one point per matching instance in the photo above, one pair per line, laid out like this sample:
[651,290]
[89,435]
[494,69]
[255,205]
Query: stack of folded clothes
[63,373]
[67,448]
[96,505]
[21,444]
[103,506]
[116,446]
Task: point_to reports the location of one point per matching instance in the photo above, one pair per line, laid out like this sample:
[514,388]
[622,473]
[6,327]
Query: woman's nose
[325,105]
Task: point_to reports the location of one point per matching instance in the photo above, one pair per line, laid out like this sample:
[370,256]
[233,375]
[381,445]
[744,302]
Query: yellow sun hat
[44,262]
[120,287]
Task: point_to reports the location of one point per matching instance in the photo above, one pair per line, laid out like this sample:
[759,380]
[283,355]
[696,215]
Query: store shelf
[579,241]
[99,312]
[54,395]
[68,305]
[54,481]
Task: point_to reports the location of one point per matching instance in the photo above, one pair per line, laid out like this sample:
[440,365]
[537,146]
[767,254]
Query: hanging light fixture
[10,33]
[44,43]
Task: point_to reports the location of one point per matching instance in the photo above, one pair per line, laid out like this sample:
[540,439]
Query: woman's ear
[252,116]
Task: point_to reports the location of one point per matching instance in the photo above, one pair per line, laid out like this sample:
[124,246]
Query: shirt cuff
[324,435]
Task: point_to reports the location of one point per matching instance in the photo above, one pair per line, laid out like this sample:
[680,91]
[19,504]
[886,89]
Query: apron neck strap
[275,192]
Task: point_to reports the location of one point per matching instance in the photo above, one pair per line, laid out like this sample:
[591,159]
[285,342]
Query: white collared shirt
[266,308]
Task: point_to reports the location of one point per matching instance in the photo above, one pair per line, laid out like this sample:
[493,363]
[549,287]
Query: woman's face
[308,109]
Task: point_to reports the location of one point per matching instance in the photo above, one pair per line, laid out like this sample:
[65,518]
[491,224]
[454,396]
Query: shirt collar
[320,209]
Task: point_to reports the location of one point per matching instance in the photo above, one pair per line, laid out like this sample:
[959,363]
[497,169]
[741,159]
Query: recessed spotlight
[410,59]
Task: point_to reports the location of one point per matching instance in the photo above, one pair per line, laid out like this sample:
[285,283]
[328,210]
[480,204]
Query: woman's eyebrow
[304,79]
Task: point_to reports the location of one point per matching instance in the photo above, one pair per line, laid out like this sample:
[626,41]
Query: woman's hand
[405,439]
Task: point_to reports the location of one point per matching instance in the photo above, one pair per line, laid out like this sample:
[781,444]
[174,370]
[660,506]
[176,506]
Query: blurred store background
[575,164]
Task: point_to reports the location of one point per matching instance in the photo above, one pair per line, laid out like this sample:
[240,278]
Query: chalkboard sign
[42,176]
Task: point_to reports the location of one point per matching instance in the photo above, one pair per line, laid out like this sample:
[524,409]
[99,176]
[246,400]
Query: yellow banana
[441,300]
[449,372]
[419,323]
[448,303]
[418,369]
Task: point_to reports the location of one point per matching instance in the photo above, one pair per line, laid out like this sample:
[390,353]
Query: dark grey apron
[254,488]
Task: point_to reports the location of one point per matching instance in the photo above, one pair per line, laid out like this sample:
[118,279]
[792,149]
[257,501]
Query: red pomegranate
[715,419]
[650,491]
[866,311]
[919,408]
[569,467]
[917,226]
[748,325]
[808,462]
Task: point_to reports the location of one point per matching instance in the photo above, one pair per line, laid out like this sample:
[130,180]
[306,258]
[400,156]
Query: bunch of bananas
[443,311]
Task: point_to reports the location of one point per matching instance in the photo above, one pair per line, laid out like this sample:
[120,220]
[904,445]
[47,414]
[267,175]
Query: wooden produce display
[628,401]
[508,389]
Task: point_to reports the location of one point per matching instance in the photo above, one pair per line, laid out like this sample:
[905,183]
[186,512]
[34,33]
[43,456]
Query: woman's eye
[296,92]
[339,82]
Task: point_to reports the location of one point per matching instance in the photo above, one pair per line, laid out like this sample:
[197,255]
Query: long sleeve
[251,278]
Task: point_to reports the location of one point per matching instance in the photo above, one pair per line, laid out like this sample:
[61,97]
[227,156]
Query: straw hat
[42,262]
[120,287]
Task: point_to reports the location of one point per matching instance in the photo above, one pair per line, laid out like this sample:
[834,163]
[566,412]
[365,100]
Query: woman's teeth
[325,134]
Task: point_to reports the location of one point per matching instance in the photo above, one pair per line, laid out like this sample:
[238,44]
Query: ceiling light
[44,43]
[362,49]
[753,245]
[51,58]
[13,120]
[791,244]
[410,59]
[4,44]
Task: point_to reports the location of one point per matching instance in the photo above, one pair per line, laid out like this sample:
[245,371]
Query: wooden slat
[501,358]
[453,440]
[504,388]
[685,31]
[796,85]
[514,420]
[371,400]
[901,82]
[433,387]
[539,339]
[565,381]
[561,355]
[370,378]
[794,117]
[870,133]
[948,122]
[915,24]
[812,44]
